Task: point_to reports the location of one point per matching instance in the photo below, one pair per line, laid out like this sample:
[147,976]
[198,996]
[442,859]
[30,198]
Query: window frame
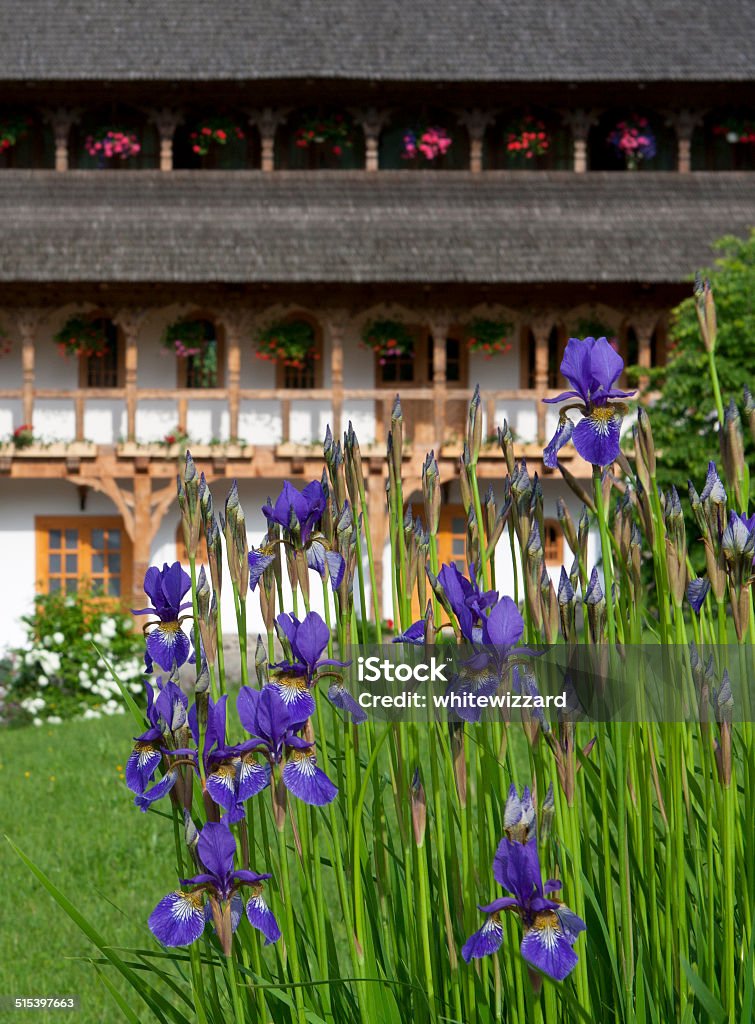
[554,525]
[182,362]
[317,359]
[120,358]
[85,525]
[421,359]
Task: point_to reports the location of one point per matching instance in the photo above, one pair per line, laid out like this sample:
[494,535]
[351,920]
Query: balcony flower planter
[50,450]
[633,141]
[526,140]
[110,146]
[213,133]
[329,136]
[425,145]
[388,339]
[13,128]
[188,339]
[736,131]
[80,336]
[290,343]
[160,450]
[488,337]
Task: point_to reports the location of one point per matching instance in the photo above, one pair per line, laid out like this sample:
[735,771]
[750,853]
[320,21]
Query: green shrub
[58,674]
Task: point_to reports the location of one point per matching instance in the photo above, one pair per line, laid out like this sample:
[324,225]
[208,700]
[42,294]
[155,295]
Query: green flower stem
[371,561]
[221,652]
[480,524]
[233,988]
[291,944]
[605,548]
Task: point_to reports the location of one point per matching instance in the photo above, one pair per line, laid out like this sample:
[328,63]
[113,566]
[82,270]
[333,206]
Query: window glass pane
[72,564]
[406,371]
[55,538]
[98,562]
[459,565]
[458,525]
[71,586]
[114,586]
[113,538]
[72,538]
[54,563]
[98,539]
[54,585]
[458,546]
[114,564]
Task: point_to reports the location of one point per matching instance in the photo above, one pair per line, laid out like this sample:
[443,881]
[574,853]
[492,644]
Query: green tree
[685,422]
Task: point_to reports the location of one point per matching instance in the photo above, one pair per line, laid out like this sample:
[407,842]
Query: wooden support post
[684,123]
[439,331]
[580,121]
[476,121]
[143,530]
[644,322]
[237,322]
[372,121]
[27,322]
[334,326]
[541,328]
[61,120]
[130,320]
[266,122]
[285,420]
[166,121]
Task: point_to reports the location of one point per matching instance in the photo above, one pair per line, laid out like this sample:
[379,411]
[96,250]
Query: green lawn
[63,803]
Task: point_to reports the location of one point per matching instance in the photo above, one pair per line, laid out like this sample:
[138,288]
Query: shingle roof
[428,40]
[357,227]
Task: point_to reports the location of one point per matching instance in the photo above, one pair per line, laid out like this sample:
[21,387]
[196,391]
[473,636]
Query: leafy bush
[58,673]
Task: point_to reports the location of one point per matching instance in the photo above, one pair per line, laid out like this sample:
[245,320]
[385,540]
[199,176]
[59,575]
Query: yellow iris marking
[169,627]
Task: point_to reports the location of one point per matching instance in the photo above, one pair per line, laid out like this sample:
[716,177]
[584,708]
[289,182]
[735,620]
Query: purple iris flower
[167,713]
[550,928]
[415,634]
[232,773]
[297,511]
[592,367]
[482,673]
[259,560]
[468,602]
[266,717]
[308,639]
[179,918]
[167,644]
[697,591]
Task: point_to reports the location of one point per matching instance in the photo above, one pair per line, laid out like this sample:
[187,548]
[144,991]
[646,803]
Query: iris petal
[485,941]
[178,919]
[167,643]
[306,781]
[141,766]
[596,437]
[261,917]
[546,947]
[562,436]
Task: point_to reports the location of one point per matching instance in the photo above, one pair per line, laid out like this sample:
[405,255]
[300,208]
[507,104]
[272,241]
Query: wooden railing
[436,414]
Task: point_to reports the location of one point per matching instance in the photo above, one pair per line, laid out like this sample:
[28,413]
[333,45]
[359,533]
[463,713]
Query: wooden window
[301,378]
[452,537]
[204,370]
[417,367]
[455,362]
[107,370]
[553,542]
[87,553]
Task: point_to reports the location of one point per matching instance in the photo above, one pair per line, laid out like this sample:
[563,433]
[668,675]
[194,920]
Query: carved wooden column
[237,324]
[580,122]
[541,327]
[372,121]
[476,121]
[266,121]
[130,320]
[439,327]
[62,119]
[684,123]
[166,120]
[644,322]
[335,325]
[27,321]
[144,529]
